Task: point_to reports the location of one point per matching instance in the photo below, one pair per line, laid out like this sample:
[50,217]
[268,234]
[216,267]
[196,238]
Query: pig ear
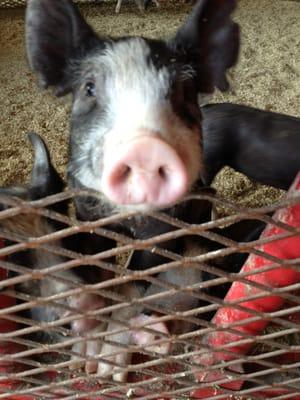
[45,180]
[210,40]
[55,33]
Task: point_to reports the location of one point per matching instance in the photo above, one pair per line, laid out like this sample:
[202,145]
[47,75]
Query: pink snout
[146,170]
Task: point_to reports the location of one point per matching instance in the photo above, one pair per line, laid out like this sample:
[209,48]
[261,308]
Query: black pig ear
[210,40]
[55,33]
[45,180]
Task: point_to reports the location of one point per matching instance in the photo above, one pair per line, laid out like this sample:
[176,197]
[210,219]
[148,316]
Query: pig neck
[140,226]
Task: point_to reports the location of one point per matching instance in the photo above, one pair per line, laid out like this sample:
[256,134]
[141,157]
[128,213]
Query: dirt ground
[267,76]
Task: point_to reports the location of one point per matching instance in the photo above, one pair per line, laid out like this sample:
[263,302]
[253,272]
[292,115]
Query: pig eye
[90,89]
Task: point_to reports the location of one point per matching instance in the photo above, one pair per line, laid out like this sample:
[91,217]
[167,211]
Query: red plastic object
[288,248]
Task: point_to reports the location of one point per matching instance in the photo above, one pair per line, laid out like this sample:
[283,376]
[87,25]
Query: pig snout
[147,170]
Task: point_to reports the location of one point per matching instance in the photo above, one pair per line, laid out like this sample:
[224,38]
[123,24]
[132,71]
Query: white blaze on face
[136,97]
[137,89]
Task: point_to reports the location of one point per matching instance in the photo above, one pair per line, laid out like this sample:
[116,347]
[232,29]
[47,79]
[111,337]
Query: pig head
[135,121]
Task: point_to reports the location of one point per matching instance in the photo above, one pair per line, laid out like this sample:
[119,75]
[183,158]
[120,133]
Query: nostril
[124,172]
[162,172]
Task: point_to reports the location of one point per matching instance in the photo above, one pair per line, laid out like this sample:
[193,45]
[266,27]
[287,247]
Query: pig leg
[144,338]
[118,6]
[141,4]
[181,277]
[115,355]
[83,302]
[87,302]
[85,349]
[120,356]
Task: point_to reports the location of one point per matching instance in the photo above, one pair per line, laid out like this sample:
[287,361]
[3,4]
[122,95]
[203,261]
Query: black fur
[261,144]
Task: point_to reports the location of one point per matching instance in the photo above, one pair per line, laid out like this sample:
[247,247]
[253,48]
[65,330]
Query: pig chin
[146,207]
[143,207]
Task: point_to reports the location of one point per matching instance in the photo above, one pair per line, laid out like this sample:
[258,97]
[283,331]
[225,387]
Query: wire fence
[59,332]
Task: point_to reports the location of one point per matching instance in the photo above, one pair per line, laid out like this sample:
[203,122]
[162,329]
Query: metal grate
[251,352]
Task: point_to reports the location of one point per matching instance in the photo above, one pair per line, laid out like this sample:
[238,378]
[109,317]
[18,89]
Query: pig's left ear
[210,40]
[45,180]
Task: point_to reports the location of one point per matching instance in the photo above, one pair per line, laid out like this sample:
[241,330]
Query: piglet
[263,145]
[135,126]
[46,181]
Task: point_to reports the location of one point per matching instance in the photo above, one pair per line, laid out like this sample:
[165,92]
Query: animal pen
[250,349]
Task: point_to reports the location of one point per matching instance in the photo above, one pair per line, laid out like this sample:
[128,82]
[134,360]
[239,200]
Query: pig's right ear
[210,41]
[55,34]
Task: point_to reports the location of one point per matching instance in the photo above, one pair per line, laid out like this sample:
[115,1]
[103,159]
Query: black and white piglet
[135,121]
[46,181]
[263,145]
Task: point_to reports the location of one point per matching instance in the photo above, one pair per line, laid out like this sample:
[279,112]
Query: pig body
[46,181]
[263,145]
[135,135]
[181,278]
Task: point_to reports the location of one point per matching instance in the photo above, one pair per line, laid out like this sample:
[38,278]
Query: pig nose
[146,170]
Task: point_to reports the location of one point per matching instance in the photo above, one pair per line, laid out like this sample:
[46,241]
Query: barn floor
[267,76]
